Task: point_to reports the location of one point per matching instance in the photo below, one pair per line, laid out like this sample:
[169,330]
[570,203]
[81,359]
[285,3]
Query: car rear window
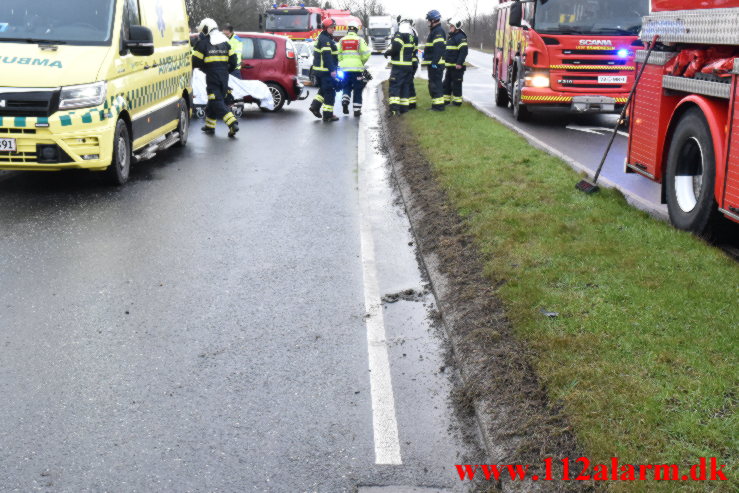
[267,48]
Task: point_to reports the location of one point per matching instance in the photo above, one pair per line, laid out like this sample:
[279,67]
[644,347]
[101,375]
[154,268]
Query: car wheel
[520,112]
[118,172]
[278,95]
[691,175]
[183,126]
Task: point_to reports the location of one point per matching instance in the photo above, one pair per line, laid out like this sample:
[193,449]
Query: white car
[304,50]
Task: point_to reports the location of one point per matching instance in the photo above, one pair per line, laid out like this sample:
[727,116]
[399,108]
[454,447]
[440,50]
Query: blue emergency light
[340,74]
[623,53]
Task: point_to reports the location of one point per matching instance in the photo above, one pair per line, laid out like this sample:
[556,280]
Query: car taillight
[290,53]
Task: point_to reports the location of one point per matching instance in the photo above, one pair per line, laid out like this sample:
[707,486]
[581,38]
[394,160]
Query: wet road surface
[205,328]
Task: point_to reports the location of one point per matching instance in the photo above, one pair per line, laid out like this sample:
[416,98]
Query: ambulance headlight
[83,96]
[540,80]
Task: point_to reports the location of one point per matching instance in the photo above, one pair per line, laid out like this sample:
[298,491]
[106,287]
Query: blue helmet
[433,15]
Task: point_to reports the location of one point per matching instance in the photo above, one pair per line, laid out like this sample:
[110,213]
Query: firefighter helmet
[453,21]
[207,25]
[353,25]
[405,27]
[329,22]
[433,15]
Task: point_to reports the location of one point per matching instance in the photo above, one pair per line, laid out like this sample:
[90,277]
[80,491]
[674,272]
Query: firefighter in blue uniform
[433,58]
[214,55]
[455,56]
[401,54]
[413,100]
[325,66]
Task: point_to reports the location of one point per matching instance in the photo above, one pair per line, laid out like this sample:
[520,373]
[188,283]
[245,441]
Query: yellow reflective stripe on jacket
[401,63]
[211,59]
[197,54]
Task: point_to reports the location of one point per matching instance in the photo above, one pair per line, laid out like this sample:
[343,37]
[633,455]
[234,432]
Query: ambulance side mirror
[140,41]
[516,17]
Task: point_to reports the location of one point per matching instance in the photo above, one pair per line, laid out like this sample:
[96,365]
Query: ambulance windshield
[591,17]
[86,22]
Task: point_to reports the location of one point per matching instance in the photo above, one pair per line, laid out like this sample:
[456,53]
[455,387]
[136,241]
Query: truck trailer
[380,33]
[684,125]
[572,55]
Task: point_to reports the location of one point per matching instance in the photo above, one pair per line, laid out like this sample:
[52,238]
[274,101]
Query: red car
[272,60]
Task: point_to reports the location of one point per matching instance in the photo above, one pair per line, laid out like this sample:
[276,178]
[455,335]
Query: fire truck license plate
[7,145]
[612,79]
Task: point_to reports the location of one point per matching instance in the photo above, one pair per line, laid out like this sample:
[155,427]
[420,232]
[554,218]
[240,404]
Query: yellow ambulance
[92,84]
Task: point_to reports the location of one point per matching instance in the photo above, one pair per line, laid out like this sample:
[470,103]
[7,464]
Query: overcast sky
[448,8]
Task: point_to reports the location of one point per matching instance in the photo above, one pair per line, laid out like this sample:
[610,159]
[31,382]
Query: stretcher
[243,91]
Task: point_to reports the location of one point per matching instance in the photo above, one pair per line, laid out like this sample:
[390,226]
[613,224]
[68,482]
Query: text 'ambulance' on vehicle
[92,84]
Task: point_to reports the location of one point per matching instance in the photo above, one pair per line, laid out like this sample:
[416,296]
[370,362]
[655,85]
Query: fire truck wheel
[690,176]
[501,96]
[520,112]
[117,173]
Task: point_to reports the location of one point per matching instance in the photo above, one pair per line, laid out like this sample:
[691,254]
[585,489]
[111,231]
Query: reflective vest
[456,49]
[237,46]
[353,53]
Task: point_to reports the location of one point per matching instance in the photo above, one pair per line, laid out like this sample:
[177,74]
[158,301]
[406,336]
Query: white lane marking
[384,421]
[596,130]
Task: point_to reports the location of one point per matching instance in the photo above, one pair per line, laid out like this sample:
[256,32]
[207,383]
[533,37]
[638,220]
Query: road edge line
[384,416]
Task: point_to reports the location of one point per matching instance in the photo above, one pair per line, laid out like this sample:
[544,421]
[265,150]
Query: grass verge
[642,354]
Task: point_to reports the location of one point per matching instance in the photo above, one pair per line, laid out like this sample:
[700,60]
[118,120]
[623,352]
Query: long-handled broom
[587,186]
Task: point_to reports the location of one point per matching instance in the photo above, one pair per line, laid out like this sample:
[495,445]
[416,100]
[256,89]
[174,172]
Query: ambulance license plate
[8,145]
[612,79]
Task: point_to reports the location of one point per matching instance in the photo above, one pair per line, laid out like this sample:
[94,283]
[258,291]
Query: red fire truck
[301,22]
[684,126]
[576,55]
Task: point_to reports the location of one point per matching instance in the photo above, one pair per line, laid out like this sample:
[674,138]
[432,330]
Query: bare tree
[364,9]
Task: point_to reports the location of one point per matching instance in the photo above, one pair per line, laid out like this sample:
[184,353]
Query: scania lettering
[572,55]
[684,125]
[92,85]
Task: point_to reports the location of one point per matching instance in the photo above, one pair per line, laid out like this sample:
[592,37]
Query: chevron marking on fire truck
[591,67]
[548,99]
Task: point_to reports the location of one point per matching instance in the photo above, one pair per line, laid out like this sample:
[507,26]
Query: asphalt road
[579,138]
[211,325]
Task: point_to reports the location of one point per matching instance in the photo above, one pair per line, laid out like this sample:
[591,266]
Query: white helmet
[405,27]
[353,24]
[207,25]
[453,21]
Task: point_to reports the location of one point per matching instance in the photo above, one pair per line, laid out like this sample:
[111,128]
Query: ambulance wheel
[501,96]
[520,112]
[183,127]
[278,95]
[117,173]
[690,176]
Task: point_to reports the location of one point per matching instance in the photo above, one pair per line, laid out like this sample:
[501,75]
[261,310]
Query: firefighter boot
[357,113]
[208,130]
[233,129]
[329,117]
[315,108]
[345,106]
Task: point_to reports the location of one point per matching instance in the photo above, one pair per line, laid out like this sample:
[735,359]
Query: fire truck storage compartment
[650,111]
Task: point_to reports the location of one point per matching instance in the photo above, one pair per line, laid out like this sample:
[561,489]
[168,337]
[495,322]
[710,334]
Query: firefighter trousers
[400,76]
[453,86]
[436,87]
[217,108]
[326,96]
[412,99]
[353,88]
